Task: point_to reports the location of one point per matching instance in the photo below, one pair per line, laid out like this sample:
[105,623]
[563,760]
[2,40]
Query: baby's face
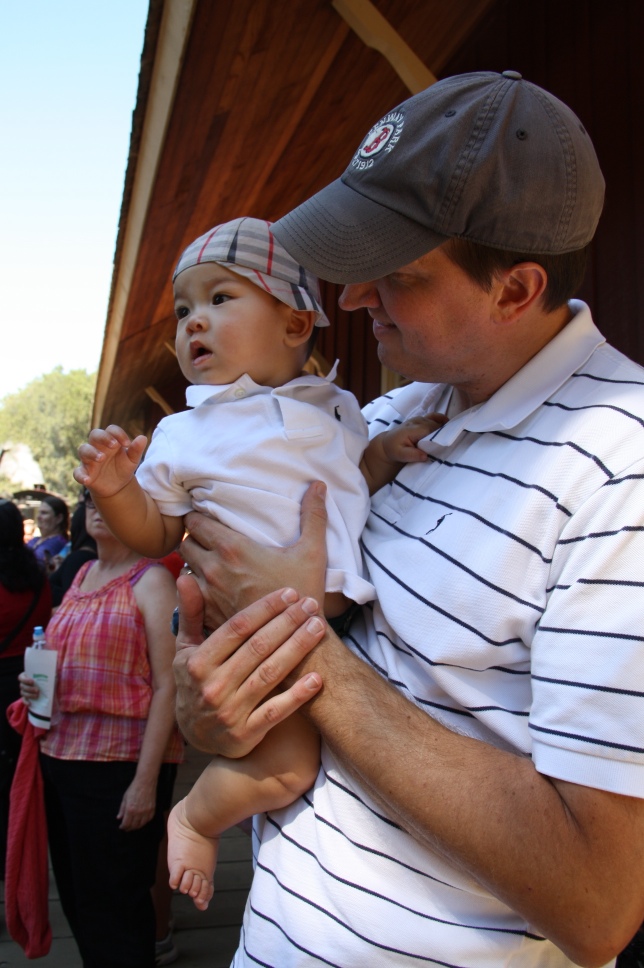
[227,326]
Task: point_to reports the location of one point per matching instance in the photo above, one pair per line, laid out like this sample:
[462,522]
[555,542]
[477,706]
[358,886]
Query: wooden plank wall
[588,53]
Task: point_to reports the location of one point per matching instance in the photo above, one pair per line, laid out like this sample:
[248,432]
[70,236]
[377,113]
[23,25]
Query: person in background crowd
[53,523]
[109,758]
[25,601]
[30,529]
[83,549]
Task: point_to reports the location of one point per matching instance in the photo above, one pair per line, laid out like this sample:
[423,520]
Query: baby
[260,431]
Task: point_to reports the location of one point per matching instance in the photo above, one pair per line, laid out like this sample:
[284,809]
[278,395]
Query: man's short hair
[482,263]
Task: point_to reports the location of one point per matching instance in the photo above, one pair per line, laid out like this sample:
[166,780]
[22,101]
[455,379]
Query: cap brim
[344,237]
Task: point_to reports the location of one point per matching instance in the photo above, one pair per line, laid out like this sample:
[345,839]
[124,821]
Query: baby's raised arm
[108,462]
[388,451]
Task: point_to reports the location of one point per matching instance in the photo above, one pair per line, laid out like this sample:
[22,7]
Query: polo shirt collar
[523,393]
[246,387]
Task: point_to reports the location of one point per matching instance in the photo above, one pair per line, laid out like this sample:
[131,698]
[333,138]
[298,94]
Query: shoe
[166,951]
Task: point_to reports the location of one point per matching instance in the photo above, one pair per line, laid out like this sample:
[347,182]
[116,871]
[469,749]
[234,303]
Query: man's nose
[358,295]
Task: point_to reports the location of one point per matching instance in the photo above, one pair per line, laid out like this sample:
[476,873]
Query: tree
[52,415]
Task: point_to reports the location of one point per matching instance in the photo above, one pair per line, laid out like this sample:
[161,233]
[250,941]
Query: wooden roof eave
[166,50]
[167,32]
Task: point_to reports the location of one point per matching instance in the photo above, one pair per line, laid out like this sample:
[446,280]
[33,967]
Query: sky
[68,75]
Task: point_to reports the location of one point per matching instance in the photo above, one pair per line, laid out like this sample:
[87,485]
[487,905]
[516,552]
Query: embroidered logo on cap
[383,137]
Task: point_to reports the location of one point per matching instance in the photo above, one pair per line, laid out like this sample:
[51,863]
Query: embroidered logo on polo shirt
[383,137]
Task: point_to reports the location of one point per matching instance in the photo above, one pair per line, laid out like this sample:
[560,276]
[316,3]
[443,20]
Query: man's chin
[388,359]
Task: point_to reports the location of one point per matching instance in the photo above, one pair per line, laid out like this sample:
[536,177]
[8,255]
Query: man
[480,800]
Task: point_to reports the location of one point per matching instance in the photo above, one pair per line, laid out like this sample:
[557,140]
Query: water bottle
[40,665]
[38,641]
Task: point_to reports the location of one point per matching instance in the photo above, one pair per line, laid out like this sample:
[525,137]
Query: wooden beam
[375,31]
[175,25]
[161,401]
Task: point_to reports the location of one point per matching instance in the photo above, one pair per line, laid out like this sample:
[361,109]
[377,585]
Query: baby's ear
[299,326]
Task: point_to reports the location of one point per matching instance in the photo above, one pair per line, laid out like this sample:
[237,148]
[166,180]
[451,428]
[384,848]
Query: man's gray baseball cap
[487,157]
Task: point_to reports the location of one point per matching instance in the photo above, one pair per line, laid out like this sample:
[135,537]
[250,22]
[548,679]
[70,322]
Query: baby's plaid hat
[247,247]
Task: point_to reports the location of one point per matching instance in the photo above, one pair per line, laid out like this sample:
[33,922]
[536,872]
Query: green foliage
[52,415]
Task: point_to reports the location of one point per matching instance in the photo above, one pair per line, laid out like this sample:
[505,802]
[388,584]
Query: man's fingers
[277,644]
[190,612]
[206,532]
[260,628]
[313,519]
[279,707]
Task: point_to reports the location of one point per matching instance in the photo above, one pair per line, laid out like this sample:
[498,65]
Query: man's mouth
[381,326]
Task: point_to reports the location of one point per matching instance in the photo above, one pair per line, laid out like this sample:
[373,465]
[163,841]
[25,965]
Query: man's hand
[109,460]
[232,571]
[225,684]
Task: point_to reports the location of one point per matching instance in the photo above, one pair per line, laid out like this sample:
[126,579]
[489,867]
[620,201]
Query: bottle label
[40,665]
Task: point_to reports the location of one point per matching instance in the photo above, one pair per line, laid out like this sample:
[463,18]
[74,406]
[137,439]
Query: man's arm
[567,858]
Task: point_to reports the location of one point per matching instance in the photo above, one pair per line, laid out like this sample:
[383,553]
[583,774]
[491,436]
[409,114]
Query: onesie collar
[246,387]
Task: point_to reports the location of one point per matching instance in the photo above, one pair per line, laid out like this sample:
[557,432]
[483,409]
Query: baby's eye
[219,298]
[181,312]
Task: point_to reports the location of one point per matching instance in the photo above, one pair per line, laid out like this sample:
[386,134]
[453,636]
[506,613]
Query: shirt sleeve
[587,715]
[156,475]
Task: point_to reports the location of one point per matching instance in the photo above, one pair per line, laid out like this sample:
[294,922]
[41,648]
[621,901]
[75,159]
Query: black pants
[104,874]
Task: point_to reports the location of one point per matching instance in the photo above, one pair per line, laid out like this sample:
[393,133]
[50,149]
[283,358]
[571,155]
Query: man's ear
[299,327]
[518,289]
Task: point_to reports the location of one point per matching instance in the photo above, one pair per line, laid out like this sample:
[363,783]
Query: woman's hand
[29,691]
[232,570]
[225,684]
[138,804]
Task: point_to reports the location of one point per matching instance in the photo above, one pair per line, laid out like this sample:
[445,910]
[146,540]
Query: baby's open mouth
[197,350]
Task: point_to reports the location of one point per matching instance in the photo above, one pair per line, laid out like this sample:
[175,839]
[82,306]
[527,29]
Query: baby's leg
[281,768]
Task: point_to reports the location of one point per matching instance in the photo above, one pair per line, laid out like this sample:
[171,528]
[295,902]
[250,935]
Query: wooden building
[247,107]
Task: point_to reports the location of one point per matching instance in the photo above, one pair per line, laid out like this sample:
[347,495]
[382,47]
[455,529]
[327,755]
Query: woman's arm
[155,595]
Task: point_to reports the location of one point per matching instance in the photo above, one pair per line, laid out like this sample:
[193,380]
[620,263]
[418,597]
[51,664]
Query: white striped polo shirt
[509,570]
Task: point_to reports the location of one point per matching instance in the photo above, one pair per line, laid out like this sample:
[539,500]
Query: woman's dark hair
[79,536]
[58,506]
[19,569]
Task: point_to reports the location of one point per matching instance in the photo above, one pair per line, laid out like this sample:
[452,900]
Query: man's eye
[219,298]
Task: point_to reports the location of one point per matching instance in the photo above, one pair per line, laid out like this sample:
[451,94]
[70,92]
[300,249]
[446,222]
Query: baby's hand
[109,460]
[400,443]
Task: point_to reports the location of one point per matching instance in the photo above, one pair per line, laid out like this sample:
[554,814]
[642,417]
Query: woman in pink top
[53,522]
[109,758]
